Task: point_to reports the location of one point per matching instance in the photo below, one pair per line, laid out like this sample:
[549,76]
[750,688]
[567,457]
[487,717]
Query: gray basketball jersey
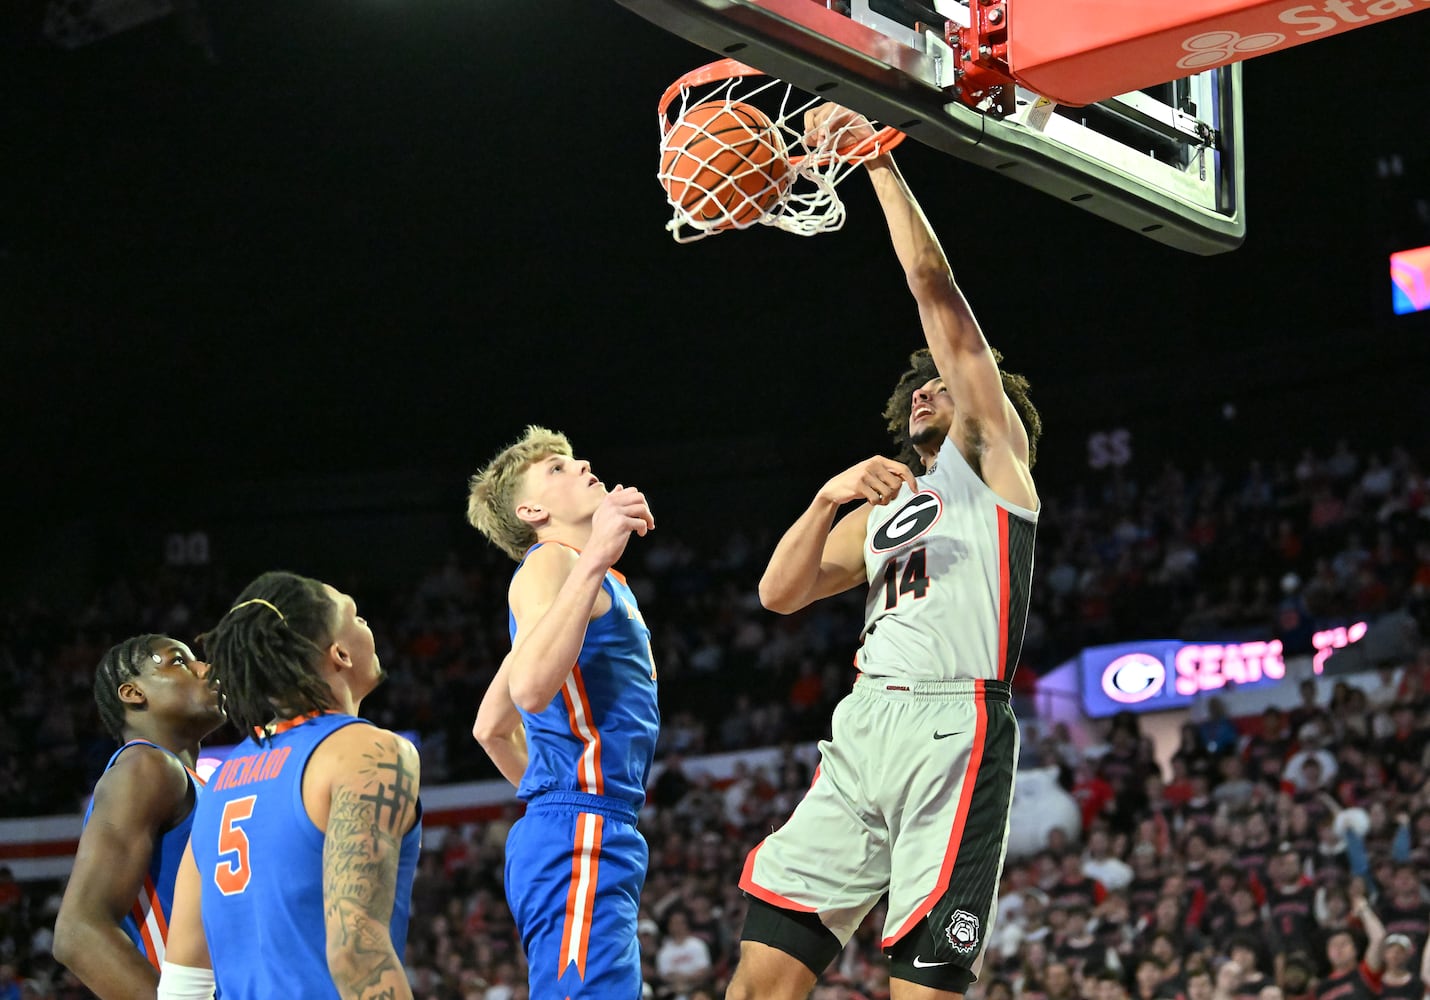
[949,569]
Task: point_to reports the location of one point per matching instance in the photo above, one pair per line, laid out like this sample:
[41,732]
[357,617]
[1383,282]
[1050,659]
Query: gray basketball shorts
[912,798]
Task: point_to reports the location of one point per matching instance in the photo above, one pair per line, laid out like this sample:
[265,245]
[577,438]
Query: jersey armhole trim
[966,471]
[311,832]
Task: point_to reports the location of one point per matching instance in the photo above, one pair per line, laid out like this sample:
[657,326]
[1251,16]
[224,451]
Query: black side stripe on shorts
[973,883]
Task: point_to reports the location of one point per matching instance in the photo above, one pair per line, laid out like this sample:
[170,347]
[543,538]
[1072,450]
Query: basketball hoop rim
[881,142]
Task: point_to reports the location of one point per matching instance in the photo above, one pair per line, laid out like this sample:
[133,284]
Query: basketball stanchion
[734,154]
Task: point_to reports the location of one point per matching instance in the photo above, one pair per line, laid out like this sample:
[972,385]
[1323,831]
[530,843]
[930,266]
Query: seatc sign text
[1159,675]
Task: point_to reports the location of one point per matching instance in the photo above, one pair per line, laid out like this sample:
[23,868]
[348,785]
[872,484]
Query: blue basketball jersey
[147,922]
[598,734]
[260,861]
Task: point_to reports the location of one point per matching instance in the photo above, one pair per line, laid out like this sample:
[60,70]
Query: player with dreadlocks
[298,879]
[153,698]
[914,787]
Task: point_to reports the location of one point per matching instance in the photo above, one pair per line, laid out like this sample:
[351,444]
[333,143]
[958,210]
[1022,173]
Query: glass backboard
[1165,161]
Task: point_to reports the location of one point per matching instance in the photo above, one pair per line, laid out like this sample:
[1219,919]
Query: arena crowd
[1238,869]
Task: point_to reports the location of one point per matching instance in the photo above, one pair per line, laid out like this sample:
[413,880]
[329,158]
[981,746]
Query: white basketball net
[807,204]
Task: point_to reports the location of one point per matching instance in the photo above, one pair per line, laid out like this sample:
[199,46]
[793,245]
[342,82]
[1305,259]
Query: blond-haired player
[571,716]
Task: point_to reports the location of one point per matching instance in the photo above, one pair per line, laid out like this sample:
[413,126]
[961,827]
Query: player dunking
[913,790]
[304,847]
[571,716]
[113,922]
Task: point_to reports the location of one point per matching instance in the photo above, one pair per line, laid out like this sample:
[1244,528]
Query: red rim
[877,144]
[720,69]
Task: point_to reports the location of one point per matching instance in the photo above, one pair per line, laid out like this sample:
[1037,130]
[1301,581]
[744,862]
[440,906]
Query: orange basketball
[724,162]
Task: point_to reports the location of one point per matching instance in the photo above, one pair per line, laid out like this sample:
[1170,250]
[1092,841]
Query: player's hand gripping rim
[824,121]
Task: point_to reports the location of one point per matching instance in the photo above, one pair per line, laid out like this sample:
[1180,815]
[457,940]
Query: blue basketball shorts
[575,864]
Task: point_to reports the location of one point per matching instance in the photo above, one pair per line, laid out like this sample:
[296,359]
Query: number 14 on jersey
[906,576]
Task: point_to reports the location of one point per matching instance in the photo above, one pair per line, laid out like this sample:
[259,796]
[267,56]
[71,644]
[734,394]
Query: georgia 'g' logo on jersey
[920,513]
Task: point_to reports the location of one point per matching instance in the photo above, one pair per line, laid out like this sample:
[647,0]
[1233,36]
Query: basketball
[724,163]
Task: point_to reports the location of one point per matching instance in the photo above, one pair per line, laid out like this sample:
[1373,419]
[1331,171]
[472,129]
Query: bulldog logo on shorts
[962,932]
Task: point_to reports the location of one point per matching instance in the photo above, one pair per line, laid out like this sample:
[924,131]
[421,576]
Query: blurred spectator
[1102,866]
[683,961]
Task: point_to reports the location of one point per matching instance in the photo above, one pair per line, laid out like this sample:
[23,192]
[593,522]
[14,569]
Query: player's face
[930,413]
[175,686]
[562,489]
[354,636]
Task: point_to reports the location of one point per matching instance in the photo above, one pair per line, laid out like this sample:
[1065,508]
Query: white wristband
[184,982]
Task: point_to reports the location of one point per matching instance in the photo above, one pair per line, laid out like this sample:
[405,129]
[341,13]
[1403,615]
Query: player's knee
[740,988]
[765,973]
[752,982]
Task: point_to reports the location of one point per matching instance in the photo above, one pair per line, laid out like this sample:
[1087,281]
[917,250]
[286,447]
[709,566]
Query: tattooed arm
[371,778]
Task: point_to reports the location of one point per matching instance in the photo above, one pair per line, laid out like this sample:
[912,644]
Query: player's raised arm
[499,730]
[960,351]
[136,800]
[556,593]
[811,561]
[955,339]
[373,777]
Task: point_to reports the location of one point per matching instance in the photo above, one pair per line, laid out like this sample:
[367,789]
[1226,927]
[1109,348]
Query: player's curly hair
[263,660]
[921,370]
[491,501]
[121,663]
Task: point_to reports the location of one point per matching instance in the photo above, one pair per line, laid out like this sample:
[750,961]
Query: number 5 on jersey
[913,580]
[231,876]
